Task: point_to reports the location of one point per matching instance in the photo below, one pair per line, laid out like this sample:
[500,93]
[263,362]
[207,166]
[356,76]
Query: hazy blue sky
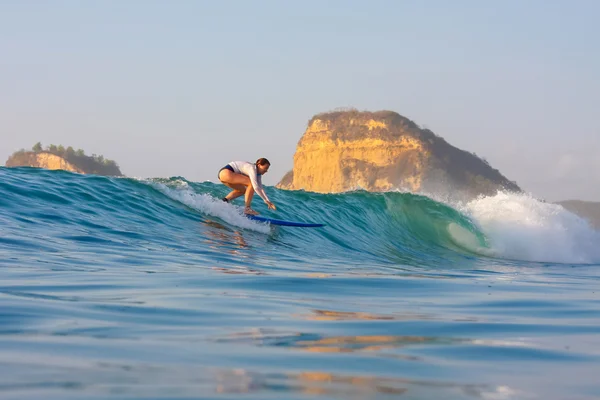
[182,87]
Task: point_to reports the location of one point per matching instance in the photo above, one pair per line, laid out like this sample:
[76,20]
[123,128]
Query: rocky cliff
[48,160]
[381,151]
[41,160]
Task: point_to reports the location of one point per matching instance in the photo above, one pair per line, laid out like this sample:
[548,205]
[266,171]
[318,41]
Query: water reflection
[321,383]
[239,270]
[348,344]
[330,315]
[216,224]
[219,239]
[315,343]
[222,238]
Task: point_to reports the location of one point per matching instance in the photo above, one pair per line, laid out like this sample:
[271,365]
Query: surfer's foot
[249,211]
[225,199]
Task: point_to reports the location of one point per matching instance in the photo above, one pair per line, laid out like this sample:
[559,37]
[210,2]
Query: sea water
[155,289]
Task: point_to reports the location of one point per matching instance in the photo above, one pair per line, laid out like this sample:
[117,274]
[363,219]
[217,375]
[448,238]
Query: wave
[362,228]
[521,227]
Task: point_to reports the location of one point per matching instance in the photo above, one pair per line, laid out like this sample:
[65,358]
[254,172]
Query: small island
[59,157]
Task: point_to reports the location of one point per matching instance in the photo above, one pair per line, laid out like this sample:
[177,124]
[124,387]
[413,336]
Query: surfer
[245,179]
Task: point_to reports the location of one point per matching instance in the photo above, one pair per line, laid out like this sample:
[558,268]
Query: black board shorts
[229,167]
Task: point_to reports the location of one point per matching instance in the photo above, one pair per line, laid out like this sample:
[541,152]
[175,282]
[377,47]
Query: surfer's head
[262,165]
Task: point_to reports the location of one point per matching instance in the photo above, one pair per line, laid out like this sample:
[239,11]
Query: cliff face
[47,160]
[384,151]
[41,160]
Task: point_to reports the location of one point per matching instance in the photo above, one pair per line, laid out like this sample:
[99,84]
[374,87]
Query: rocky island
[383,151]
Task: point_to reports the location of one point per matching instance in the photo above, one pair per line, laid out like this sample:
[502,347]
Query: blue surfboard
[281,222]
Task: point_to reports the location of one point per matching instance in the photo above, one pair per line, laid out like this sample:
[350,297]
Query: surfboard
[281,222]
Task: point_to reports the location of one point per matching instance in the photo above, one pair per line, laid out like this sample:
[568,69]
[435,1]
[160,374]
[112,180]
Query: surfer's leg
[249,195]
[237,182]
[234,194]
[238,190]
[241,185]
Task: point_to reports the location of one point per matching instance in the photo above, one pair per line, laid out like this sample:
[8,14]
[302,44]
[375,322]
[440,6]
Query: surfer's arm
[257,185]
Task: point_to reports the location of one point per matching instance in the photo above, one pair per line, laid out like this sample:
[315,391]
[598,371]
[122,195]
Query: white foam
[180,191]
[520,227]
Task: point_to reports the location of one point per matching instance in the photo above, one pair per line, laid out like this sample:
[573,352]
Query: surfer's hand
[271,206]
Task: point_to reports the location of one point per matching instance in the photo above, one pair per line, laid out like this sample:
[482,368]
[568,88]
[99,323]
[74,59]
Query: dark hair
[263,161]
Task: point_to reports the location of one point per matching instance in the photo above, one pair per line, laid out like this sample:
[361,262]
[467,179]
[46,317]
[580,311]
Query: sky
[180,88]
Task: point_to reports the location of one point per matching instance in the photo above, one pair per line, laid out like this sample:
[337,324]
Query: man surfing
[245,179]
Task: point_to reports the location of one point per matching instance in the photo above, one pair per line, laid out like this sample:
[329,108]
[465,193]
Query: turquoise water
[155,289]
